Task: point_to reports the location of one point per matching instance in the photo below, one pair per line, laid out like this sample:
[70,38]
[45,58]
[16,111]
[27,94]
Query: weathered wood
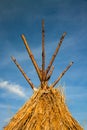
[32,57]
[50,73]
[44,75]
[43,48]
[61,75]
[24,74]
[55,53]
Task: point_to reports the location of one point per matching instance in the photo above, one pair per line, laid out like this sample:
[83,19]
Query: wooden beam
[61,75]
[32,57]
[55,53]
[23,73]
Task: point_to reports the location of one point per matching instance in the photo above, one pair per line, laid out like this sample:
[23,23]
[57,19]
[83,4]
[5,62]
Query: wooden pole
[50,73]
[25,76]
[43,48]
[32,57]
[61,75]
[55,53]
[43,82]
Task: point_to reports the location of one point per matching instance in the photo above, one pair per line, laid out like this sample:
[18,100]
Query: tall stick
[50,73]
[55,53]
[31,56]
[61,75]
[25,76]
[43,50]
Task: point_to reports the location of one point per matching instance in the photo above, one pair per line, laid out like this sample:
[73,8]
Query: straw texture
[46,110]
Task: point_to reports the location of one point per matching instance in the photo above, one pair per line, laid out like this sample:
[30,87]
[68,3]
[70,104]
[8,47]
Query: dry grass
[46,110]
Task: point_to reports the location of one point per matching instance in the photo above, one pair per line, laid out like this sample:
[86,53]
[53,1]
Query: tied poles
[43,74]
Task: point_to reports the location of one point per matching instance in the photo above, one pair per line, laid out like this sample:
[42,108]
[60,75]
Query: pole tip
[22,35]
[64,33]
[13,58]
[42,21]
[71,63]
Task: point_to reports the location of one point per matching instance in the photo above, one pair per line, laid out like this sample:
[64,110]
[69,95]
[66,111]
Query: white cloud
[12,88]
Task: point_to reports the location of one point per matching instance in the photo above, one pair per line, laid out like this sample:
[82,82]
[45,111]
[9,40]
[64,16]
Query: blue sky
[24,17]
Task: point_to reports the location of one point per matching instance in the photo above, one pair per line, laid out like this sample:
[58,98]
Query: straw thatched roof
[46,110]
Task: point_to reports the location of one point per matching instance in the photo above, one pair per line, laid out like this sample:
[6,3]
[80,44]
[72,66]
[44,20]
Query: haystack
[46,110]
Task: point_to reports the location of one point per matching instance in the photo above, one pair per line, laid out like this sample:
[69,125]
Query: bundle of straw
[46,110]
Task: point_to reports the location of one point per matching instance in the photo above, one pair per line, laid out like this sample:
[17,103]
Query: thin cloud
[12,88]
[5,106]
[21,56]
[76,92]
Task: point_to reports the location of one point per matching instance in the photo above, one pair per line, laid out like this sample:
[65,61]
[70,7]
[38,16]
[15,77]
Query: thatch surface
[46,110]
